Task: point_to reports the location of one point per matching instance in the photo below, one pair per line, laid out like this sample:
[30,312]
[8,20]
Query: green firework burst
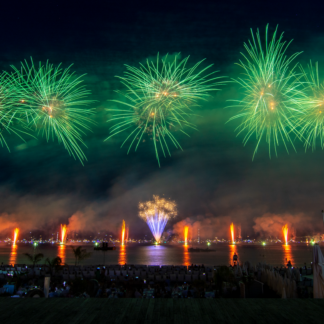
[311,122]
[52,102]
[158,100]
[10,121]
[272,97]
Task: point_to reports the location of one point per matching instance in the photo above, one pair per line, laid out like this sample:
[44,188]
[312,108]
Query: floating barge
[199,250]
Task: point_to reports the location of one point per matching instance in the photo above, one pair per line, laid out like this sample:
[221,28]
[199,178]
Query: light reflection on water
[186,256]
[122,255]
[62,252]
[156,254]
[233,250]
[13,254]
[288,255]
[164,254]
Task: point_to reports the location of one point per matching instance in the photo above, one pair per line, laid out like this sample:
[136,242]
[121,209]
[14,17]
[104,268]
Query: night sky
[213,180]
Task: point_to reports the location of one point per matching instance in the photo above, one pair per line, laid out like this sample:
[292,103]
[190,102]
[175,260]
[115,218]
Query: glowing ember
[123,233]
[63,233]
[285,233]
[156,213]
[16,232]
[232,233]
[185,234]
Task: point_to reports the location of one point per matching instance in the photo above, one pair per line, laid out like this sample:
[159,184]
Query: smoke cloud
[271,224]
[208,227]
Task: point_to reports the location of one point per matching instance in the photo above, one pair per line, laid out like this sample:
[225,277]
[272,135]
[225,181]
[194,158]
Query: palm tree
[55,263]
[80,254]
[35,258]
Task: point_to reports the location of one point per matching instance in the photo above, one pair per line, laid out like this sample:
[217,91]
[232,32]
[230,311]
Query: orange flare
[185,234]
[285,233]
[123,233]
[63,233]
[232,233]
[16,232]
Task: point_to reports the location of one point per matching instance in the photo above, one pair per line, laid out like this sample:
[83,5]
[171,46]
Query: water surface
[275,254]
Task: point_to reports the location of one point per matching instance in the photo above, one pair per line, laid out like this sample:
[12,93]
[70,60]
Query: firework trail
[10,119]
[156,213]
[52,102]
[16,232]
[285,233]
[232,233]
[158,100]
[63,233]
[311,121]
[185,234]
[272,98]
[123,233]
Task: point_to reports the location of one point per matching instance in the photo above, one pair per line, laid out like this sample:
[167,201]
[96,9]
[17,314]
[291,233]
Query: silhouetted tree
[35,258]
[80,254]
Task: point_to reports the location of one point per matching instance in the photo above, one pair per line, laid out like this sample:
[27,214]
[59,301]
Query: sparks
[232,233]
[185,234]
[272,98]
[156,213]
[16,232]
[63,233]
[311,122]
[158,100]
[54,105]
[285,233]
[123,233]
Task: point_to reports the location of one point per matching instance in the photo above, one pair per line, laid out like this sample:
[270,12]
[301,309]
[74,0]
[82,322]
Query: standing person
[235,259]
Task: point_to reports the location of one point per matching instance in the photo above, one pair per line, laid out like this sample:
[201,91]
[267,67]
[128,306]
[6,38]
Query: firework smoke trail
[232,233]
[185,234]
[63,233]
[156,213]
[272,98]
[16,232]
[285,233]
[52,102]
[158,99]
[123,233]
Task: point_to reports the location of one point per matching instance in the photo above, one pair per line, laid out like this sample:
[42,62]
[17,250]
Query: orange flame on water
[63,233]
[185,234]
[232,233]
[123,233]
[285,233]
[16,232]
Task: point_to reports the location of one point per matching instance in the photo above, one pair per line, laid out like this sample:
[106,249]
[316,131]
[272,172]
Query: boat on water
[104,247]
[199,250]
